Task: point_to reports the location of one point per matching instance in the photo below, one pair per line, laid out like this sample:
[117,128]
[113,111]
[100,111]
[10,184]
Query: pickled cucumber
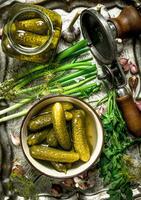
[66,106]
[29,39]
[51,154]
[37,138]
[36,25]
[7,47]
[54,17]
[59,124]
[35,58]
[13,28]
[55,40]
[60,167]
[79,135]
[44,120]
[51,139]
[28,15]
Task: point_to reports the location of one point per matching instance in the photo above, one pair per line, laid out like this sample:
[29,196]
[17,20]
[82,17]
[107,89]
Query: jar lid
[99,35]
[30,31]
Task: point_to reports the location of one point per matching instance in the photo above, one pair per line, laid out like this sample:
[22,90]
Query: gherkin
[79,135]
[59,124]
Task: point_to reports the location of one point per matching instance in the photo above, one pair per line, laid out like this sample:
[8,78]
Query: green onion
[15,106]
[67,52]
[13,116]
[73,78]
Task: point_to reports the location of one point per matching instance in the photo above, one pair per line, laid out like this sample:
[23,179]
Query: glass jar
[31,33]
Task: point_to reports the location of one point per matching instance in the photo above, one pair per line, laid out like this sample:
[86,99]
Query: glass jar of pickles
[31,33]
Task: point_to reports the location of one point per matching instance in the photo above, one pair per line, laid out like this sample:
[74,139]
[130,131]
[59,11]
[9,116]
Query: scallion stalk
[67,52]
[15,106]
[82,88]
[67,88]
[76,54]
[13,116]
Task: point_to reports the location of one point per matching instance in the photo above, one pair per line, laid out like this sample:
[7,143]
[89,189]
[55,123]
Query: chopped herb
[22,186]
[112,166]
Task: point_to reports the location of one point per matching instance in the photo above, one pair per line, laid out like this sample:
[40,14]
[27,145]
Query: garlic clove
[123,61]
[126,67]
[133,83]
[100,110]
[18,170]
[133,68]
[69,182]
[56,190]
[15,139]
[138,104]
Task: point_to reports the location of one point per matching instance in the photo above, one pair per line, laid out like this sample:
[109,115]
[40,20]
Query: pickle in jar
[28,39]
[36,25]
[33,33]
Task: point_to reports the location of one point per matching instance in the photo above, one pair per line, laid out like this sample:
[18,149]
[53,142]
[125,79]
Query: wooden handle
[128,23]
[131,114]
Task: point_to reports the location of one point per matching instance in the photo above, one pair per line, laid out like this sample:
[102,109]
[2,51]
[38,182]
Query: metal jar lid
[100,35]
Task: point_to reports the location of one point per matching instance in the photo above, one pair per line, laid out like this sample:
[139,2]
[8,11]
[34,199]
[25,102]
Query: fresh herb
[34,72]
[22,186]
[68,74]
[116,141]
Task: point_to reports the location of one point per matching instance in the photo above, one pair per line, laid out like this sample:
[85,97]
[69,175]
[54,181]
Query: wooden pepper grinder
[128,23]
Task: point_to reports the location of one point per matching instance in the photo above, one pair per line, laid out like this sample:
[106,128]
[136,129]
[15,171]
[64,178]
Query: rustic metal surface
[67,5]
[137,55]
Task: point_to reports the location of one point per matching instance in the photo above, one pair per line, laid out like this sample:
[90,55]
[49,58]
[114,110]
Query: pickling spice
[31,33]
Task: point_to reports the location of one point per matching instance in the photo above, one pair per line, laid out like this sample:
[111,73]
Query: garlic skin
[18,170]
[100,110]
[133,83]
[56,190]
[133,68]
[128,65]
[69,182]
[15,139]
[71,35]
[124,63]
[138,104]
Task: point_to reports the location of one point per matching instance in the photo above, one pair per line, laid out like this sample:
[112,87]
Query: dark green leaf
[115,195]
